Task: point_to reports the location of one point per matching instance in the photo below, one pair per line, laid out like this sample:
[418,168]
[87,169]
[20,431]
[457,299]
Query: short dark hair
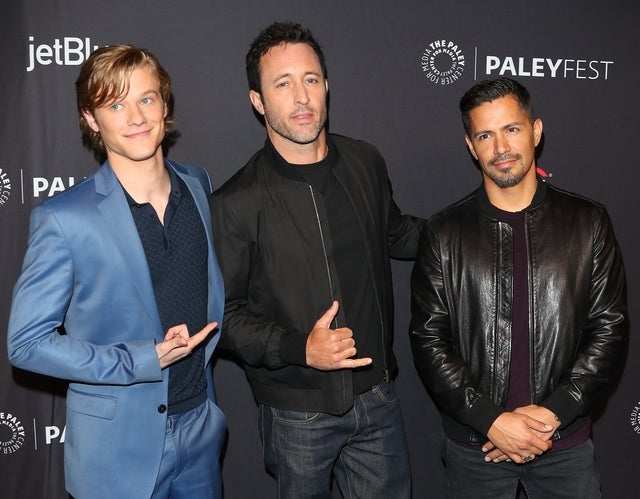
[272,36]
[490,90]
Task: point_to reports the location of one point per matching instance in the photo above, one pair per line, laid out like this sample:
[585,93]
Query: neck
[300,154]
[515,198]
[146,181]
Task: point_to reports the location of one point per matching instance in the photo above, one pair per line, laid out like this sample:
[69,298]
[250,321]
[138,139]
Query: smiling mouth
[138,134]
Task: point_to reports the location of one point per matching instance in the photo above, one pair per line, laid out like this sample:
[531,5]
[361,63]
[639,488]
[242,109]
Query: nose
[301,94]
[501,144]
[136,116]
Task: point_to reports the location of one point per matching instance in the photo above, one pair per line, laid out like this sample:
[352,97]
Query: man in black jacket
[519,314]
[304,235]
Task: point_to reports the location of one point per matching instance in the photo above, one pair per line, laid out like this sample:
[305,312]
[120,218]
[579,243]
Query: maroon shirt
[519,388]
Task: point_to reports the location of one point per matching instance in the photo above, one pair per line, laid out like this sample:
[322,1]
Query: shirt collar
[175,194]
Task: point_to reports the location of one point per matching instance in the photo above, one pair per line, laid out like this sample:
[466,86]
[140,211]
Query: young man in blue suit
[119,272]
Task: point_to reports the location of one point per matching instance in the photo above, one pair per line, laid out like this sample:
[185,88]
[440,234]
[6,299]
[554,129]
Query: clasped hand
[521,435]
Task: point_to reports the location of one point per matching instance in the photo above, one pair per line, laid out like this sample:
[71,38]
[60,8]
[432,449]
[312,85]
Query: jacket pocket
[99,406]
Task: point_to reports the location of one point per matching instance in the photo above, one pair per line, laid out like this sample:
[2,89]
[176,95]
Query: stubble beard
[508,177]
[302,137]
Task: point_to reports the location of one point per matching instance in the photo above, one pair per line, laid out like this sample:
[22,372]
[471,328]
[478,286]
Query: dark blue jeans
[566,474]
[364,449]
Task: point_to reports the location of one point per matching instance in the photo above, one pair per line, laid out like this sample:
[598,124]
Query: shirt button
[162,408]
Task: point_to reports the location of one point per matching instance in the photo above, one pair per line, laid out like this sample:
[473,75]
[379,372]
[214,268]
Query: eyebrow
[288,75]
[508,125]
[150,91]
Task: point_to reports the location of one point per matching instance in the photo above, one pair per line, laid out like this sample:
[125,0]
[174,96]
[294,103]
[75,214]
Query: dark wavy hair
[490,90]
[272,36]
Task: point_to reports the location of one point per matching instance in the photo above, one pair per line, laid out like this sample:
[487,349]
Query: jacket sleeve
[403,231]
[251,337]
[42,296]
[442,370]
[604,334]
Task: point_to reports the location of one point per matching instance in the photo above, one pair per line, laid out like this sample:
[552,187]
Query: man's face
[294,94]
[503,140]
[132,126]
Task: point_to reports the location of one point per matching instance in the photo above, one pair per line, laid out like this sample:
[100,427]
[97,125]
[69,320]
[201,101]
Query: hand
[542,414]
[329,349]
[514,436]
[536,412]
[178,344]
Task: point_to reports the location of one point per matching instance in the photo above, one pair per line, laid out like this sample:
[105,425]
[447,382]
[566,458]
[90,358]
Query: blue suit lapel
[121,227]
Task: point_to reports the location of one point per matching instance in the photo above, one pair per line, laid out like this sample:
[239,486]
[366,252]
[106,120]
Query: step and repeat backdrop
[396,73]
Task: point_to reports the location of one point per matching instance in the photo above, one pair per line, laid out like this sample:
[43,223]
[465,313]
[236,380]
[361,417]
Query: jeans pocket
[294,417]
[386,393]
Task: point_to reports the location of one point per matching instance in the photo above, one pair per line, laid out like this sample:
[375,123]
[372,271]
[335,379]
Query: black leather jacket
[274,249]
[461,316]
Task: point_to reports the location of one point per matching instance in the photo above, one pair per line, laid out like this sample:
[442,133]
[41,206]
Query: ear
[91,121]
[537,131]
[256,100]
[470,146]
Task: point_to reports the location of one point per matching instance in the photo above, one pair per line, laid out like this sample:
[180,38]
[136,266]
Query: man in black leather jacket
[519,314]
[304,233]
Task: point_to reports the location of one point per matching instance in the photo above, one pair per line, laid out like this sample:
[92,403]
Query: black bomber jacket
[274,248]
[461,316]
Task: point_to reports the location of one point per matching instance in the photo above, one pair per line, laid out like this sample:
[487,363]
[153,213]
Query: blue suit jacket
[85,270]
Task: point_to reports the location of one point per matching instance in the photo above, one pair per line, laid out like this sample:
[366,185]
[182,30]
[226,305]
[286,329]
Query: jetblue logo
[66,51]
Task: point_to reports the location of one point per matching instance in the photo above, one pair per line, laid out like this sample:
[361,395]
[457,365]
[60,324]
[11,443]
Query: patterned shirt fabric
[177,253]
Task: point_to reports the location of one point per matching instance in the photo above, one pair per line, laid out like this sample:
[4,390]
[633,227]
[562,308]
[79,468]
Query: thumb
[536,425]
[327,318]
[177,342]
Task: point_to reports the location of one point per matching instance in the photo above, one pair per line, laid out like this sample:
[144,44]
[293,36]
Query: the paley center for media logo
[30,188]
[12,434]
[5,187]
[634,418]
[444,61]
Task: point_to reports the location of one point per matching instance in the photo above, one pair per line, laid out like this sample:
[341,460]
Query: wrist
[556,419]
